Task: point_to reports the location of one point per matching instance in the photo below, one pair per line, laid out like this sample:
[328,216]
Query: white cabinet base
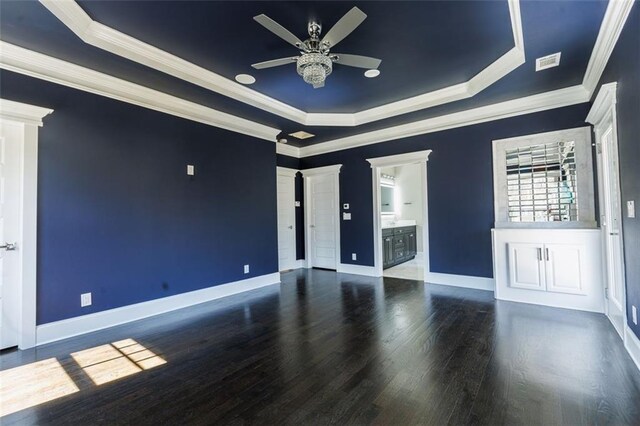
[552,267]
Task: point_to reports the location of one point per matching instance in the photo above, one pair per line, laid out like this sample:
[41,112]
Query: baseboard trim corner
[478,283]
[632,344]
[347,268]
[58,330]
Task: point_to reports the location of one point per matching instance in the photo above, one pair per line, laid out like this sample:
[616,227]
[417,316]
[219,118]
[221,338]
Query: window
[544,180]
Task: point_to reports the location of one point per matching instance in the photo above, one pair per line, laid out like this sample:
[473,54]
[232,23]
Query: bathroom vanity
[399,243]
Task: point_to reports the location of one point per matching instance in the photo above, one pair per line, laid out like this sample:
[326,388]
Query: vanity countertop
[398,224]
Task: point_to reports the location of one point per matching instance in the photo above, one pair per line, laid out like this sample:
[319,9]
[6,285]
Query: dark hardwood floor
[334,348]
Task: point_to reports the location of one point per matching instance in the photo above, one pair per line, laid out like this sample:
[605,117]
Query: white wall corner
[614,19]
[76,326]
[632,344]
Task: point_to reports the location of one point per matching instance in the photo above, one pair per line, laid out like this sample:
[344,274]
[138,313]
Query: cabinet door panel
[563,268]
[526,266]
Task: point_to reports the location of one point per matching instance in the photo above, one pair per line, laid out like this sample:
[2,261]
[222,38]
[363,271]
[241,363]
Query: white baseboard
[368,271]
[632,343]
[478,283]
[301,263]
[58,330]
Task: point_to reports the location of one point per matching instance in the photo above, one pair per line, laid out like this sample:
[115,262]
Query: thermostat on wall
[345,206]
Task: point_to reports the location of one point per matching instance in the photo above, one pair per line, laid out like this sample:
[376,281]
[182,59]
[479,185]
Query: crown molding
[290,150]
[527,105]
[118,43]
[40,66]
[602,104]
[614,19]
[23,113]
[335,168]
[285,171]
[18,59]
[400,159]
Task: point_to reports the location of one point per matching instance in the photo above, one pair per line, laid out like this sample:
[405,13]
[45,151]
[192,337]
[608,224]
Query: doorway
[322,216]
[18,216]
[603,117]
[286,218]
[400,239]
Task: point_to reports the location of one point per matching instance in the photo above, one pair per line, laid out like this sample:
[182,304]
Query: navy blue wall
[119,217]
[624,67]
[460,179]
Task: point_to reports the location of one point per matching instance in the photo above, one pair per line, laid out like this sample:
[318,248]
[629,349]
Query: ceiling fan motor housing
[314,67]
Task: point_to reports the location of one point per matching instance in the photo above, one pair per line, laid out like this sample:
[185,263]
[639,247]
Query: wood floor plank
[328,348]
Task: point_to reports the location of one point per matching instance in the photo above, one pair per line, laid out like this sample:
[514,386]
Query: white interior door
[10,152]
[611,216]
[323,220]
[286,222]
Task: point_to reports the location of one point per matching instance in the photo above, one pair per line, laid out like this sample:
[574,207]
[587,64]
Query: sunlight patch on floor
[33,384]
[106,363]
[42,381]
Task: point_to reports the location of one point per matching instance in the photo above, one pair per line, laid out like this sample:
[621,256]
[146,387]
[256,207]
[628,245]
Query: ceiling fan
[315,62]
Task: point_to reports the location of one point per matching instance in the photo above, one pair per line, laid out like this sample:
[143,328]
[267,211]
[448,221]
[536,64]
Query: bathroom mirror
[386,196]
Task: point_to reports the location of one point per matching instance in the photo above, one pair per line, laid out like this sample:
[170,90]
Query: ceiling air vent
[548,61]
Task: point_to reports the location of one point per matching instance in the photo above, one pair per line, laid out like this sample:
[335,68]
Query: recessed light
[371,73]
[245,79]
[301,135]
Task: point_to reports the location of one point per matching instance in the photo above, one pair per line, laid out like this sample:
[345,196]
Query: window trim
[584,175]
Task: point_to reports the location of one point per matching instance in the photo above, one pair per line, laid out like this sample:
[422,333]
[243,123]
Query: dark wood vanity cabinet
[398,245]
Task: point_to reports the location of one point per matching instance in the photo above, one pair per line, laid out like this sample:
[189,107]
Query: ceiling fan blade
[344,26]
[356,60]
[278,30]
[319,85]
[274,63]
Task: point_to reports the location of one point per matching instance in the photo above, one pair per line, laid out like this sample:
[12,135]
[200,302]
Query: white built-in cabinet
[546,267]
[553,267]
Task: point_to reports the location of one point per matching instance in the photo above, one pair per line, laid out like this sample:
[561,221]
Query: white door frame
[28,118]
[291,175]
[377,164]
[333,170]
[602,113]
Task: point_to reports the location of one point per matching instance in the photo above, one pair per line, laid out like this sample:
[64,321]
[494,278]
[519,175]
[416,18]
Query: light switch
[297,203]
[631,209]
[346,216]
[191,170]
[345,206]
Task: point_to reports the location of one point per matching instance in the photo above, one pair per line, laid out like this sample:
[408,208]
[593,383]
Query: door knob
[290,226]
[313,226]
[8,246]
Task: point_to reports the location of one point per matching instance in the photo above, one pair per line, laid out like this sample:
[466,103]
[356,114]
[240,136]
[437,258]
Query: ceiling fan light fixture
[371,73]
[314,68]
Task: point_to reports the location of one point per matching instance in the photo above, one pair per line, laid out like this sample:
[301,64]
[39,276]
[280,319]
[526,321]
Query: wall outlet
[354,256]
[634,314]
[631,209]
[346,216]
[297,204]
[85,299]
[246,269]
[191,170]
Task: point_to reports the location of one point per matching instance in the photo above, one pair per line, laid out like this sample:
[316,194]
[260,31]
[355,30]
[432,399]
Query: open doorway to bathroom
[402,222]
